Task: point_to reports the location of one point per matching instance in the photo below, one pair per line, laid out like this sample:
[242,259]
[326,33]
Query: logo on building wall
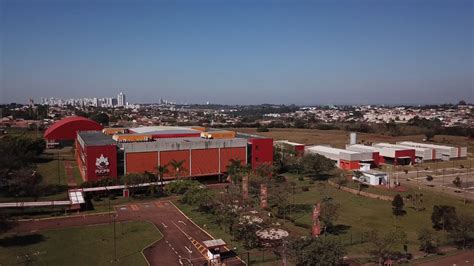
[102,165]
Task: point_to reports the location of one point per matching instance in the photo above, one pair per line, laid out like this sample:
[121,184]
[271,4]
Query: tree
[416,201]
[316,251]
[329,213]
[261,128]
[444,217]
[236,170]
[133,180]
[386,245]
[428,241]
[457,181]
[161,171]
[101,118]
[23,182]
[5,223]
[178,167]
[358,175]
[315,164]
[463,231]
[429,134]
[397,205]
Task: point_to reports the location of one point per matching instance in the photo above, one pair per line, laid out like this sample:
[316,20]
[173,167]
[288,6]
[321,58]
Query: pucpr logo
[102,165]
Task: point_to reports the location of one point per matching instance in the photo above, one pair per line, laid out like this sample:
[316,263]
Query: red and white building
[344,159]
[139,150]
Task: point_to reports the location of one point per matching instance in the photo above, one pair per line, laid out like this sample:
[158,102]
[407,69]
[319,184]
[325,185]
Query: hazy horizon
[278,52]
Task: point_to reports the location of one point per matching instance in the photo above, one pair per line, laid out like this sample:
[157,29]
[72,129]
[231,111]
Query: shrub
[181,186]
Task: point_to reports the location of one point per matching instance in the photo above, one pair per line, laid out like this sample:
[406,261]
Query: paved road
[180,235]
[462,259]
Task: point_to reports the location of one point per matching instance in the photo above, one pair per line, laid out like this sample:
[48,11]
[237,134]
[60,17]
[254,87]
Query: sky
[239,52]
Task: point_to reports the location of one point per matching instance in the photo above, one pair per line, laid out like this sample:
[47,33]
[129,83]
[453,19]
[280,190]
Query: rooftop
[331,149]
[95,138]
[164,130]
[214,243]
[288,142]
[427,145]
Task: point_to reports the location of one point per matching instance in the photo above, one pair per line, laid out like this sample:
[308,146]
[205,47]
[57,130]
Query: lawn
[51,166]
[89,245]
[360,215]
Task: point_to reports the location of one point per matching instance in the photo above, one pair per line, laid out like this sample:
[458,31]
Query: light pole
[442,186]
[59,177]
[115,239]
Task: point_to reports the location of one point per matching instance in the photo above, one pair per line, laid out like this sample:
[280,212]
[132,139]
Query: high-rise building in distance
[121,99]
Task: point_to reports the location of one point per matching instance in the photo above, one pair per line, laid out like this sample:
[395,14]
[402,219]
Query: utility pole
[115,240]
[59,176]
[442,186]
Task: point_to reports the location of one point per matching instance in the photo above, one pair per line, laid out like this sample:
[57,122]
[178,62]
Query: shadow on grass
[298,208]
[228,254]
[339,229]
[21,240]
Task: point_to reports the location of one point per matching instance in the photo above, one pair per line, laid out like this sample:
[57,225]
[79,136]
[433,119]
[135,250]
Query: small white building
[372,178]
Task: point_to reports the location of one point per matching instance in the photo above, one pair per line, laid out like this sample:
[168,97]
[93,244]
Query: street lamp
[114,217]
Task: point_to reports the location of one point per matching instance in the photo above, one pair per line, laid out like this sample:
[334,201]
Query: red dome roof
[66,129]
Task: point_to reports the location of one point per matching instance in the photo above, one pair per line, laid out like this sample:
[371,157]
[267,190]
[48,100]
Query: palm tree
[161,170]
[177,166]
[235,170]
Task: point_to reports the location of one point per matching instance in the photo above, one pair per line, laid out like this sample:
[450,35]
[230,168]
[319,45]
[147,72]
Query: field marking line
[245,263]
[196,245]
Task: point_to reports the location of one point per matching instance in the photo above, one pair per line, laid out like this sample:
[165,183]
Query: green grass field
[90,245]
[52,166]
[359,215]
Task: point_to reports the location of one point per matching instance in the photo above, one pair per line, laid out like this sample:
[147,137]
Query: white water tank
[353,138]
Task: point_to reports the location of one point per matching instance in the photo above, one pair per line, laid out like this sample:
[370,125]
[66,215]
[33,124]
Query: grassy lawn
[379,191]
[89,245]
[360,215]
[52,165]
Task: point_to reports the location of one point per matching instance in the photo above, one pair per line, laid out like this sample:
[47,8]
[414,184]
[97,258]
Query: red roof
[66,129]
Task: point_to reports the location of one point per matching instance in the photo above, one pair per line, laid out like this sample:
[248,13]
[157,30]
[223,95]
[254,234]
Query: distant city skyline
[277,52]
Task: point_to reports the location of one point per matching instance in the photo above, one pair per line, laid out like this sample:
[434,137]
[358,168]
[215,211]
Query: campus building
[118,151]
[63,132]
[344,159]
[439,152]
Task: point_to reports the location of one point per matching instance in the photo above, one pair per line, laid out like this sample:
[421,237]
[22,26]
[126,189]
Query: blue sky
[239,52]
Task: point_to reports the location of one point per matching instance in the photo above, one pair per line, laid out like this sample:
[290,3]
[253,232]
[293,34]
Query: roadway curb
[152,243]
[202,229]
